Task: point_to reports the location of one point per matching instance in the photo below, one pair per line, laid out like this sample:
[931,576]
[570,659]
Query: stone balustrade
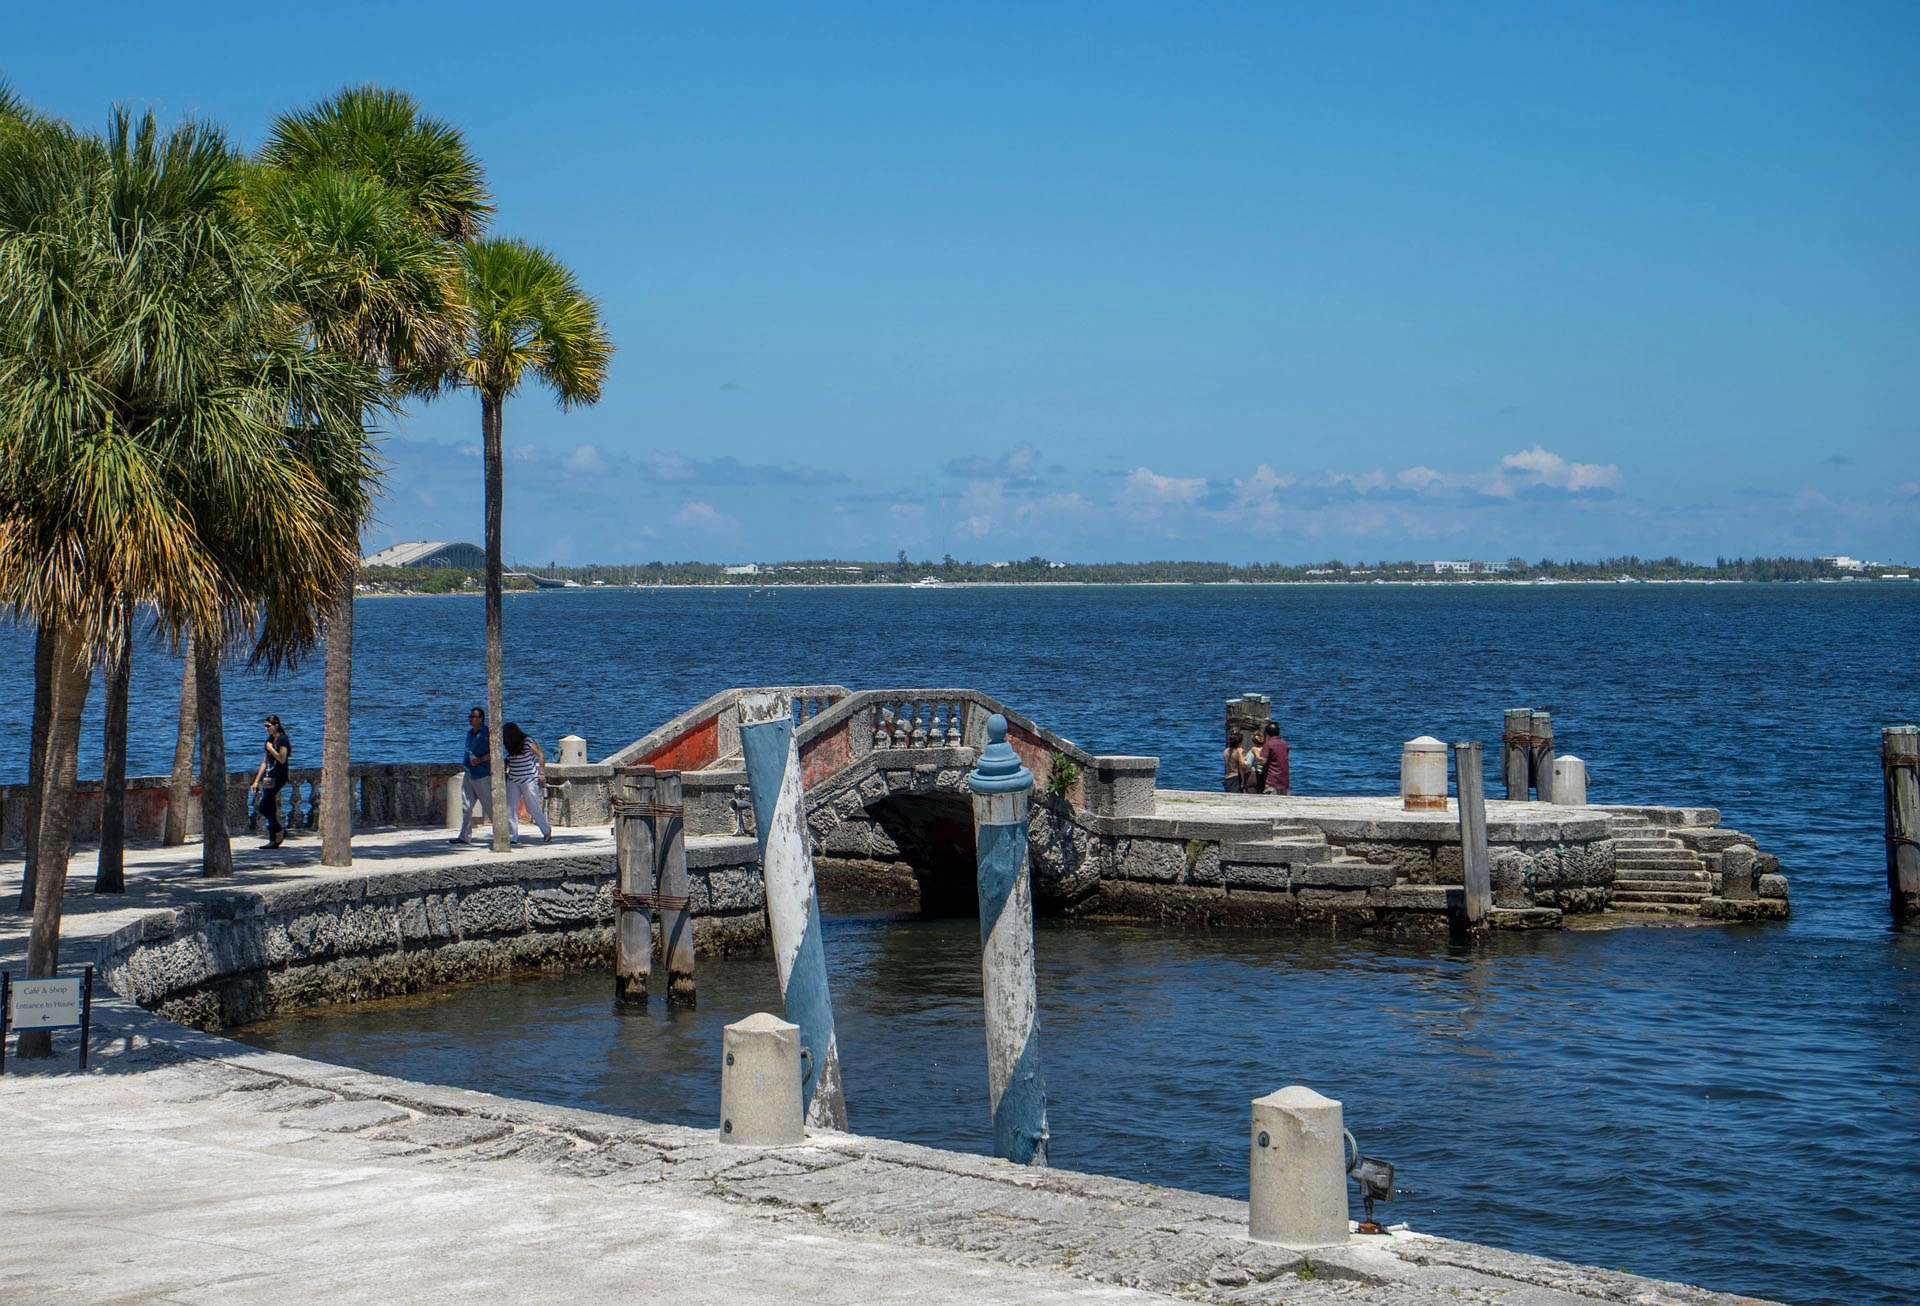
[385,794]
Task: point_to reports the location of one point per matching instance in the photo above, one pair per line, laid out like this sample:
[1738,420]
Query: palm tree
[166,434]
[528,317]
[370,200]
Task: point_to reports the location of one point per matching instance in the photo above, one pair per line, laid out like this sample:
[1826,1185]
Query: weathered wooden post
[1476,875]
[676,916]
[1015,1085]
[633,845]
[1516,745]
[1541,755]
[1900,774]
[793,908]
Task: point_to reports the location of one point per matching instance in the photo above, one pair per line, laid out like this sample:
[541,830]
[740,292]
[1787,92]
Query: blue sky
[1245,282]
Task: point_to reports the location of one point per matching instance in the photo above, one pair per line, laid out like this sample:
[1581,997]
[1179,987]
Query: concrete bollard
[1297,1195]
[759,1068]
[1423,775]
[572,751]
[793,908]
[1016,1087]
[1569,781]
[451,818]
[1900,778]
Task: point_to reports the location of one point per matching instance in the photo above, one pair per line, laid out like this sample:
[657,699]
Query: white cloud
[585,461]
[1151,492]
[1538,466]
[704,515]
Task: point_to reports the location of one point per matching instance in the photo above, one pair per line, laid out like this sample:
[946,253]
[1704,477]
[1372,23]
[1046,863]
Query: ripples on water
[1733,1106]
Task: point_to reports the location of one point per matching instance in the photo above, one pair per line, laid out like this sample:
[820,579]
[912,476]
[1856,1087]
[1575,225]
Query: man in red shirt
[1275,762]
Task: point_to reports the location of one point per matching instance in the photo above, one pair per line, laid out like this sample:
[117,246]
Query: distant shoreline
[1143,584]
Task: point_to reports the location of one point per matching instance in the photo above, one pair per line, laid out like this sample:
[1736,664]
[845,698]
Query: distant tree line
[1036,569]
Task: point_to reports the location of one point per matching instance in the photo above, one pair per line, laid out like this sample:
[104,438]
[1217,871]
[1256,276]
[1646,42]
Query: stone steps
[1690,907]
[1648,859]
[1291,851]
[1686,881]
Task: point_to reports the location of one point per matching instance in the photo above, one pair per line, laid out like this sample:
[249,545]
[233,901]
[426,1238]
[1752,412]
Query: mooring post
[633,845]
[1900,773]
[1541,755]
[793,908]
[1475,874]
[1016,1087]
[676,915]
[1569,781]
[760,1064]
[1297,1180]
[1516,745]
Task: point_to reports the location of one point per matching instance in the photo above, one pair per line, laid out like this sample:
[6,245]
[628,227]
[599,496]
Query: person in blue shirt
[477,782]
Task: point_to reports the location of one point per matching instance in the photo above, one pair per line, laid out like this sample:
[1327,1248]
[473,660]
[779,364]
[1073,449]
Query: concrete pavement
[189,1168]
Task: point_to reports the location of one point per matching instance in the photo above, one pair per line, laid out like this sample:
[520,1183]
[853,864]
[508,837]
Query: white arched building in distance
[428,553]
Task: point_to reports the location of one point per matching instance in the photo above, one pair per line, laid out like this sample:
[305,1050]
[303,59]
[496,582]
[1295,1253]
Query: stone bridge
[889,810]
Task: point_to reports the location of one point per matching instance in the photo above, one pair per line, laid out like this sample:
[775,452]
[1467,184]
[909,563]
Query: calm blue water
[1733,1106]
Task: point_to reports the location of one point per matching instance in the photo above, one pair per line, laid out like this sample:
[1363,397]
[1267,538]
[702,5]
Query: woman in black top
[271,778]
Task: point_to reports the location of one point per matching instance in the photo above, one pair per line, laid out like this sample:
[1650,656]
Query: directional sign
[46,1003]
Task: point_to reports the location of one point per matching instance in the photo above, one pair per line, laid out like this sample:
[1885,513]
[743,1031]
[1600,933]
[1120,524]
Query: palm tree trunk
[490,410]
[72,677]
[216,848]
[336,783]
[37,760]
[180,784]
[111,874]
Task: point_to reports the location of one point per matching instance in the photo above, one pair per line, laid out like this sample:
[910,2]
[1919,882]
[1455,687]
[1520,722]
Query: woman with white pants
[526,772]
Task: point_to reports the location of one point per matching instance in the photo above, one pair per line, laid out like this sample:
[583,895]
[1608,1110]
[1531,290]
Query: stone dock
[290,1177]
[185,1167]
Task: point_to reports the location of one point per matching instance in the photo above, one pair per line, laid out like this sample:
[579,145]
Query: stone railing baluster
[922,714]
[954,731]
[882,727]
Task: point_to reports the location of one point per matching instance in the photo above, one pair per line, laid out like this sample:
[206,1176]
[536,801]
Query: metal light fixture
[1375,1178]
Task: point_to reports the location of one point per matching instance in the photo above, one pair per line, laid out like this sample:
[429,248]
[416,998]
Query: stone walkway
[163,878]
[188,1168]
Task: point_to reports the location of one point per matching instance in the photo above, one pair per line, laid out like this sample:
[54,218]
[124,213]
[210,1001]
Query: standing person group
[526,778]
[270,779]
[1257,763]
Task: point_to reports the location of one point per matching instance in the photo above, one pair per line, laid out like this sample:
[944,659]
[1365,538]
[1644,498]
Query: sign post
[62,1002]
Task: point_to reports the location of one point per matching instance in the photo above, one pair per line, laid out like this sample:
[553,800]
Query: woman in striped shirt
[526,767]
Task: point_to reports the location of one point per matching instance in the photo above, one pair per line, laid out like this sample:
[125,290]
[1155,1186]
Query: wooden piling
[1541,753]
[676,916]
[1900,775]
[1476,874]
[1516,744]
[633,851]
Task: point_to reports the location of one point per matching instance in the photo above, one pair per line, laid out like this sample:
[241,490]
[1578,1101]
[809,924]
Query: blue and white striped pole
[793,909]
[1019,1091]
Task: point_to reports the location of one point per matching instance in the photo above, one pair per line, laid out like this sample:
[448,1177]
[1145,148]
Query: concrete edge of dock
[1088,1227]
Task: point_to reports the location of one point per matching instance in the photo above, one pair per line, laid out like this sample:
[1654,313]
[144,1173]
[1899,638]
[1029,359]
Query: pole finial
[999,770]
